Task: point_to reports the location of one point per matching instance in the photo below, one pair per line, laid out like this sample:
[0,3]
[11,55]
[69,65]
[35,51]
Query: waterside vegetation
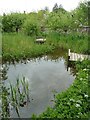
[60,28]
[74,102]
[20,46]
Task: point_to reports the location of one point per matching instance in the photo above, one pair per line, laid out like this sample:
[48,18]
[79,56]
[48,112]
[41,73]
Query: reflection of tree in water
[57,54]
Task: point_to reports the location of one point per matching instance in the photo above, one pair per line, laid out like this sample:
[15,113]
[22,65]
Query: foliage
[79,16]
[12,22]
[20,46]
[35,23]
[81,13]
[59,21]
[31,27]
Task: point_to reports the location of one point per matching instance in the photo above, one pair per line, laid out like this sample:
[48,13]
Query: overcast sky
[8,6]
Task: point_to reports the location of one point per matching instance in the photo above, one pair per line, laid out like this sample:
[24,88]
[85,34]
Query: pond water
[45,74]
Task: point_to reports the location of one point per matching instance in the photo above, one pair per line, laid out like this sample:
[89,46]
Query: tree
[59,21]
[12,22]
[31,27]
[61,9]
[46,8]
[55,8]
[81,14]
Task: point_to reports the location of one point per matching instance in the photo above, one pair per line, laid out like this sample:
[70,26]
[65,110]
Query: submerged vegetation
[14,97]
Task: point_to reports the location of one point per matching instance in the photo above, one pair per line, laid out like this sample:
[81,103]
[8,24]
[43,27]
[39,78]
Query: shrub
[31,27]
[12,22]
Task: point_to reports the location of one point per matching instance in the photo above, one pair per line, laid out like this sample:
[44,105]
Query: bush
[31,27]
[12,22]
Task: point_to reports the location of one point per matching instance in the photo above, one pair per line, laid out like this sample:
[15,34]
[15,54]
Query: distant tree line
[38,23]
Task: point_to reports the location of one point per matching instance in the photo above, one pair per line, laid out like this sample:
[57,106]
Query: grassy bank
[19,46]
[74,102]
[77,42]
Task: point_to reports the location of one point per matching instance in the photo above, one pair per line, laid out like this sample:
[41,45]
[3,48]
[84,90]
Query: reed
[16,96]
[20,93]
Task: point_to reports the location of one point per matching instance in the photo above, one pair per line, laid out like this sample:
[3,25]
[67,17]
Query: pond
[46,75]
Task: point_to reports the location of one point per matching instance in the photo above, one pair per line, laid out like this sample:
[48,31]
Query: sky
[7,6]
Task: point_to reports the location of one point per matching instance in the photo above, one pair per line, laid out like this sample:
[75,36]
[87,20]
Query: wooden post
[68,59]
[68,54]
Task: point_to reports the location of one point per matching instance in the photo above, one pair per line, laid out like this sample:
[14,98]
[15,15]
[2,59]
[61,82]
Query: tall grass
[16,46]
[77,42]
[19,46]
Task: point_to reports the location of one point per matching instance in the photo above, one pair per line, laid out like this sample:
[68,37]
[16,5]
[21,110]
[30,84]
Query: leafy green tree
[80,15]
[12,22]
[59,21]
[31,27]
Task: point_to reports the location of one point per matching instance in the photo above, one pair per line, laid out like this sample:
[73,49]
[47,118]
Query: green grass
[19,46]
[75,41]
[74,102]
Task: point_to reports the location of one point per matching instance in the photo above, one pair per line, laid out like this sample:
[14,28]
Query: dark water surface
[45,75]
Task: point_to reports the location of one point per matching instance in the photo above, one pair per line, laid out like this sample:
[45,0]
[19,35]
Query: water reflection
[47,75]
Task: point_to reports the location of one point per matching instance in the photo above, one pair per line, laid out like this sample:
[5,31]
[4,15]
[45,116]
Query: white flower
[78,101]
[72,100]
[77,73]
[86,96]
[84,69]
[80,113]
[81,79]
[77,105]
